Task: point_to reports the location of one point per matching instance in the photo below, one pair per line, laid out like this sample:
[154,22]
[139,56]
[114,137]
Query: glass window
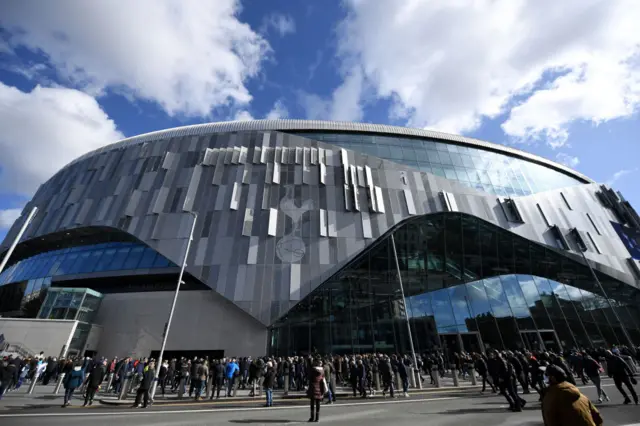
[134,258]
[433,156]
[443,312]
[105,260]
[445,158]
[90,264]
[467,161]
[457,160]
[452,147]
[67,264]
[396,153]
[77,266]
[119,259]
[462,175]
[421,155]
[161,262]
[439,171]
[450,173]
[408,153]
[148,257]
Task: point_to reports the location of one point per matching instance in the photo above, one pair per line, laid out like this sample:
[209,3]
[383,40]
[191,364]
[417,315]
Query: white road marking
[133,412]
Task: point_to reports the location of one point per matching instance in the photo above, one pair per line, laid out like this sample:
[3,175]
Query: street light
[25,225]
[165,334]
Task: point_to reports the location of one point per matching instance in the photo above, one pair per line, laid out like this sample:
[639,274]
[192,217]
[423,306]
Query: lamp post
[25,225]
[165,334]
[406,313]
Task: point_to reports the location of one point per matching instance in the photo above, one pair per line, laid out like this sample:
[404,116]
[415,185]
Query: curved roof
[333,126]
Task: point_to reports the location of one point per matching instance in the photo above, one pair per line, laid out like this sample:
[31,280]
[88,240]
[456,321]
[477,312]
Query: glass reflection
[498,173]
[468,285]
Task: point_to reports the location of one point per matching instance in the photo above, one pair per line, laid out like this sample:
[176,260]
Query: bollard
[109,381]
[418,378]
[123,388]
[436,377]
[412,377]
[59,383]
[472,372]
[398,381]
[209,385]
[255,387]
[34,381]
[286,385]
[376,379]
[181,385]
[454,372]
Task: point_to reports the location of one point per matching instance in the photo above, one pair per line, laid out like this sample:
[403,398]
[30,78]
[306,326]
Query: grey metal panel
[276,173]
[192,188]
[232,246]
[294,289]
[248,222]
[132,205]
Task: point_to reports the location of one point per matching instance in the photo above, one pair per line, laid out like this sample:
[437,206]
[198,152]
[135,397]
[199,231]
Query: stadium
[323,236]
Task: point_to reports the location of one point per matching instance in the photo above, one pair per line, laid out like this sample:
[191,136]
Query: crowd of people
[502,371]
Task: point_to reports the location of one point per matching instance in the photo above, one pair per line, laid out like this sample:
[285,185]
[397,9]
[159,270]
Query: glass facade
[484,170]
[39,269]
[78,304]
[468,285]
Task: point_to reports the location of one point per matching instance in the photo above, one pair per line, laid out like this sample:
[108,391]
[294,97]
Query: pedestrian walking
[563,404]
[95,379]
[72,381]
[621,374]
[592,369]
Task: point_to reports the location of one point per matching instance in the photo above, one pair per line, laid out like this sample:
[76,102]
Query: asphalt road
[468,409]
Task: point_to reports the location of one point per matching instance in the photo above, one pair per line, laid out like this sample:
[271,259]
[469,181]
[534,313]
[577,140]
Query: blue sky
[559,80]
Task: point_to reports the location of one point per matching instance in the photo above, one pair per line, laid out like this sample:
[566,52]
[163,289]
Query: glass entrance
[532,341]
[550,340]
[471,342]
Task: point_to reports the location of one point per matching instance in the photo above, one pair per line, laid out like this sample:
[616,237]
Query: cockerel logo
[291,247]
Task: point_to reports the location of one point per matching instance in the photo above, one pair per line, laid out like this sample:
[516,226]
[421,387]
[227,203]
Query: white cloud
[283,24]
[567,160]
[188,56]
[7,217]
[45,129]
[449,65]
[343,105]
[619,175]
[243,115]
[278,111]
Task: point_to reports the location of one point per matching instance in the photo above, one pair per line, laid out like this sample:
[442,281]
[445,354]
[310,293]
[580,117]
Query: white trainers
[406,395]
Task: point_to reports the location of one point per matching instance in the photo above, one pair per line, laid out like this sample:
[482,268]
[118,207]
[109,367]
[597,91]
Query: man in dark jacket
[386,371]
[619,370]
[481,368]
[506,380]
[148,376]
[218,379]
[96,377]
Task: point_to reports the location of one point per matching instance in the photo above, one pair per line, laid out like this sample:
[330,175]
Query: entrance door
[532,341]
[471,342]
[550,340]
[450,343]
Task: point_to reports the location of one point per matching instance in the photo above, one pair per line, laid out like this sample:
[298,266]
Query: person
[96,377]
[218,377]
[316,391]
[386,370]
[269,382]
[230,371]
[506,381]
[621,373]
[6,377]
[592,369]
[563,404]
[163,376]
[481,368]
[72,381]
[146,380]
[202,374]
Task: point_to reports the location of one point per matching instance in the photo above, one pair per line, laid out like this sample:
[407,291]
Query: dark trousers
[217,385]
[619,380]
[91,393]
[388,384]
[486,380]
[522,378]
[68,394]
[510,394]
[142,393]
[163,384]
[314,403]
